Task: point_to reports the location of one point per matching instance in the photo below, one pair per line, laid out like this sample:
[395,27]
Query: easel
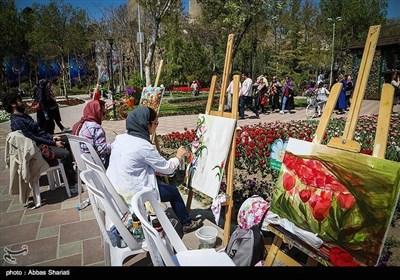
[346,143]
[154,135]
[230,165]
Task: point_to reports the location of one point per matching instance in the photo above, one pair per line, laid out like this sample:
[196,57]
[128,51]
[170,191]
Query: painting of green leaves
[347,198]
[209,152]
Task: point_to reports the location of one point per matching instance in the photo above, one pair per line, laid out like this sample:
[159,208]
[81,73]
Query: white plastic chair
[76,142]
[52,173]
[160,252]
[108,214]
[118,200]
[54,181]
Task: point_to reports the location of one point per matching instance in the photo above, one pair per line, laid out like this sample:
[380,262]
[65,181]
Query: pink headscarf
[92,112]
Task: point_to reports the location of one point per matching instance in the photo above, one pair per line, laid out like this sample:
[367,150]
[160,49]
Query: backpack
[246,244]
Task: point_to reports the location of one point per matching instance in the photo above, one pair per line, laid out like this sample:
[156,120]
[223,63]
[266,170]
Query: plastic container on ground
[207,236]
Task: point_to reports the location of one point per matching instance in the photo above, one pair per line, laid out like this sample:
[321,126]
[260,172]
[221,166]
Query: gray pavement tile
[31,218]
[11,218]
[93,251]
[48,232]
[75,260]
[69,249]
[79,231]
[18,233]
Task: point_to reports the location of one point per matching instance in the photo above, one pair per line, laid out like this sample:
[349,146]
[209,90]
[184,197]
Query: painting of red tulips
[348,199]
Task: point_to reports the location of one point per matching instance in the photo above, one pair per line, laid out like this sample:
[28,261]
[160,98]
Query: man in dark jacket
[13,104]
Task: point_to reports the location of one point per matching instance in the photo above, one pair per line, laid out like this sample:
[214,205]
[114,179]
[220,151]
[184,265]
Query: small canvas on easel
[209,153]
[347,198]
[152,97]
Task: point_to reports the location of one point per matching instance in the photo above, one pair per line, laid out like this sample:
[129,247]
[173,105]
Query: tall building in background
[132,10]
[194,9]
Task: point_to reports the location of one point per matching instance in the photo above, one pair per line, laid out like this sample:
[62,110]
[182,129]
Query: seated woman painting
[89,126]
[135,161]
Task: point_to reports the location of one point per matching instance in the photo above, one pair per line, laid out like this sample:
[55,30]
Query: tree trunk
[240,35]
[150,54]
[63,76]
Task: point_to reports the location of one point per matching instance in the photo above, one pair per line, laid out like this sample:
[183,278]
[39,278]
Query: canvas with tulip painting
[152,97]
[347,198]
[209,152]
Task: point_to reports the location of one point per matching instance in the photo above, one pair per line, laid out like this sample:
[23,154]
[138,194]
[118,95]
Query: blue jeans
[246,101]
[284,100]
[171,194]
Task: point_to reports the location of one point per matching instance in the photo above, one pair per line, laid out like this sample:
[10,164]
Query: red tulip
[305,195]
[288,181]
[346,200]
[320,205]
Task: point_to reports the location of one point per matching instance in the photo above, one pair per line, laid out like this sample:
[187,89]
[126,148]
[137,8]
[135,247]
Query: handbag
[35,105]
[48,155]
[264,100]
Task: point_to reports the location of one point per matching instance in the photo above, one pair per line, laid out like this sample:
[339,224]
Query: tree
[156,11]
[233,16]
[357,16]
[60,30]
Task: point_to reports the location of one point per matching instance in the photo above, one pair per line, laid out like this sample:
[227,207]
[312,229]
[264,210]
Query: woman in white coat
[135,161]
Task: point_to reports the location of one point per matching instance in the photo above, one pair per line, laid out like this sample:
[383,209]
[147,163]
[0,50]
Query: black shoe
[193,225]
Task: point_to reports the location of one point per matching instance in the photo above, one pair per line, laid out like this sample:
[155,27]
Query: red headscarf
[92,112]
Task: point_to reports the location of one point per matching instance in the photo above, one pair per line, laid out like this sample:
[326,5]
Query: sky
[93,6]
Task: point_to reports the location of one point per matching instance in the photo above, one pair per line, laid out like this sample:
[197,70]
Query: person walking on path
[245,96]
[396,83]
[288,98]
[341,103]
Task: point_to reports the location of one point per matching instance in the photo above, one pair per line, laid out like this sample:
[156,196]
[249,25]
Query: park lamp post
[333,21]
[111,42]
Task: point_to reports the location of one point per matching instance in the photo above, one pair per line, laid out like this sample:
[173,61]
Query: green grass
[300,102]
[172,109]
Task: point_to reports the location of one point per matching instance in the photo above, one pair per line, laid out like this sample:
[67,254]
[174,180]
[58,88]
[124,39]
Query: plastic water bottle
[83,205]
[137,228]
[182,164]
[157,225]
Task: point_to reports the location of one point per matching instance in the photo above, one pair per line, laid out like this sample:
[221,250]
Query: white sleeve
[160,164]
[229,89]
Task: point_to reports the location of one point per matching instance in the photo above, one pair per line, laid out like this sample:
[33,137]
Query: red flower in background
[340,257]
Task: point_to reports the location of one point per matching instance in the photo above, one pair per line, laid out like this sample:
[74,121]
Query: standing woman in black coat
[48,111]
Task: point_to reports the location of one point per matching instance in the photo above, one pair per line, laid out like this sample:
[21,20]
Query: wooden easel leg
[273,251]
[382,127]
[311,262]
[154,140]
[189,199]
